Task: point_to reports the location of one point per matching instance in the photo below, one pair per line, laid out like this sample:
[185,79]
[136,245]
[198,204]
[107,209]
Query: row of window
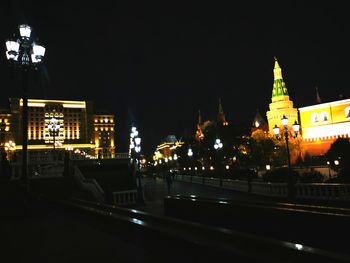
[324,116]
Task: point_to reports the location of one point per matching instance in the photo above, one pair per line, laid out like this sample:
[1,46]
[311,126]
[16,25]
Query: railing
[89,185]
[323,191]
[122,156]
[38,170]
[269,189]
[123,198]
[320,191]
[237,185]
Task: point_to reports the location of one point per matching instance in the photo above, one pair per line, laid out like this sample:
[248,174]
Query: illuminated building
[221,115]
[104,125]
[281,105]
[167,148]
[199,133]
[5,126]
[259,123]
[77,128]
[323,123]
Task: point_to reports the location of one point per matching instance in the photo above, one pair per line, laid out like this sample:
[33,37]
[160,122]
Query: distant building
[167,148]
[281,104]
[323,123]
[104,135]
[221,115]
[5,127]
[79,127]
[259,123]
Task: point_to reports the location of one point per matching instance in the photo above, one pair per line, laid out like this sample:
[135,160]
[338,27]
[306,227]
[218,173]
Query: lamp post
[218,146]
[329,169]
[134,151]
[24,54]
[190,154]
[286,134]
[336,162]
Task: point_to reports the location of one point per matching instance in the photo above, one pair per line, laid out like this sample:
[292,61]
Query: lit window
[347,112]
[324,116]
[314,117]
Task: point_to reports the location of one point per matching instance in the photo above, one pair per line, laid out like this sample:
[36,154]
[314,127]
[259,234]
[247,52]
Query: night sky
[156,66]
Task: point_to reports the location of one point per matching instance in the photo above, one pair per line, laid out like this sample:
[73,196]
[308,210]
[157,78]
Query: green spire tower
[279,91]
[280,104]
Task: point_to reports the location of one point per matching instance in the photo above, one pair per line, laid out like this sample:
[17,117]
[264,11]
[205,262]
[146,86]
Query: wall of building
[323,123]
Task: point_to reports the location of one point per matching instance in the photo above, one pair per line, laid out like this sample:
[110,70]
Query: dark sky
[158,65]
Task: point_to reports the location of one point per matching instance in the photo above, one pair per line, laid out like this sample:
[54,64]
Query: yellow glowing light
[327,131]
[33,104]
[75,106]
[49,146]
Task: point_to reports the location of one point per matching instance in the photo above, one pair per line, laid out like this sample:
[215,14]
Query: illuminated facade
[75,126]
[103,134]
[221,115]
[167,149]
[323,123]
[5,127]
[281,105]
[259,123]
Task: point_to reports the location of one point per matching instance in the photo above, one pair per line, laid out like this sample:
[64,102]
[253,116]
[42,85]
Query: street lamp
[218,146]
[10,147]
[329,169]
[276,131]
[336,162]
[24,54]
[190,154]
[134,151]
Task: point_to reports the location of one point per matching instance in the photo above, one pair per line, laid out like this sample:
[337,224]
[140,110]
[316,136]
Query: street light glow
[284,121]
[25,31]
[189,153]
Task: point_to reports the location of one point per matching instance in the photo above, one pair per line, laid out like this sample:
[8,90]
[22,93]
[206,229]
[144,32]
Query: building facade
[103,135]
[167,149]
[323,123]
[59,124]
